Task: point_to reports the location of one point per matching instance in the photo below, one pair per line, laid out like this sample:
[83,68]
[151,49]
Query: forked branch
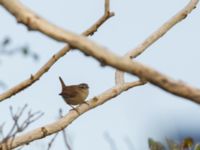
[102,54]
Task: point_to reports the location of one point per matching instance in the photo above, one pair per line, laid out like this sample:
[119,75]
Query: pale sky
[135,115]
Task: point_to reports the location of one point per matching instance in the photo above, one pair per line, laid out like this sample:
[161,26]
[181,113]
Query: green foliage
[186,144]
[197,147]
[154,145]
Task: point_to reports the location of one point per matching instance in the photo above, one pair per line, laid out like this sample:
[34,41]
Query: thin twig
[64,133]
[52,141]
[66,140]
[34,77]
[107,6]
[17,127]
[100,53]
[110,140]
[63,122]
[71,116]
[119,75]
[1,131]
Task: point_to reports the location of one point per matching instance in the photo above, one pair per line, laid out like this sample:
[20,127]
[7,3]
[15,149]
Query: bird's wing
[69,93]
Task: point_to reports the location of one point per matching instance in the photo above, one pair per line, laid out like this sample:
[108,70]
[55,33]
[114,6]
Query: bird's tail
[62,82]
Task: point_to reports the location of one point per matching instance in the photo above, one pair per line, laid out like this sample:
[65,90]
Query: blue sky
[137,114]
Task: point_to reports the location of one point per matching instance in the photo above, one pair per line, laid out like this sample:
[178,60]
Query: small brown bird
[74,94]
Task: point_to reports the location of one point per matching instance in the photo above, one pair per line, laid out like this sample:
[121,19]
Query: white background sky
[135,115]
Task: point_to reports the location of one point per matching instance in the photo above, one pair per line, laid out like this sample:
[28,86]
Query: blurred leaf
[153,145]
[25,50]
[6,41]
[35,57]
[172,145]
[187,143]
[197,147]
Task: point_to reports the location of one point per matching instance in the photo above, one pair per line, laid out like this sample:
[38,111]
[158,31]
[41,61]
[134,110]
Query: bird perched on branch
[74,94]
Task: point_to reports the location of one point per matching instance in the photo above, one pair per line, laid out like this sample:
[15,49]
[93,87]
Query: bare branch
[110,140]
[129,143]
[63,122]
[107,6]
[64,133]
[102,54]
[17,127]
[1,131]
[15,117]
[95,26]
[66,140]
[52,141]
[32,117]
[33,78]
[119,77]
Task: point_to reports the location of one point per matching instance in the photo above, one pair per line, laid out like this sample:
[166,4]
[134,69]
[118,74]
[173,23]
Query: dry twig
[18,126]
[34,77]
[119,77]
[62,123]
[103,55]
[64,133]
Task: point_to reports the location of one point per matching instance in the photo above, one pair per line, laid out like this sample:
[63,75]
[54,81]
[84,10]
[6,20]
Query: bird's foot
[86,103]
[73,108]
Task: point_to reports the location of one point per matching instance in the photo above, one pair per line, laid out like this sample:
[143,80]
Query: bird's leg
[85,102]
[73,108]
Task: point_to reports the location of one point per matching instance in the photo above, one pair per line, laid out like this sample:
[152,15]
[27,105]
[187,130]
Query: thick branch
[62,123]
[24,15]
[155,36]
[33,78]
